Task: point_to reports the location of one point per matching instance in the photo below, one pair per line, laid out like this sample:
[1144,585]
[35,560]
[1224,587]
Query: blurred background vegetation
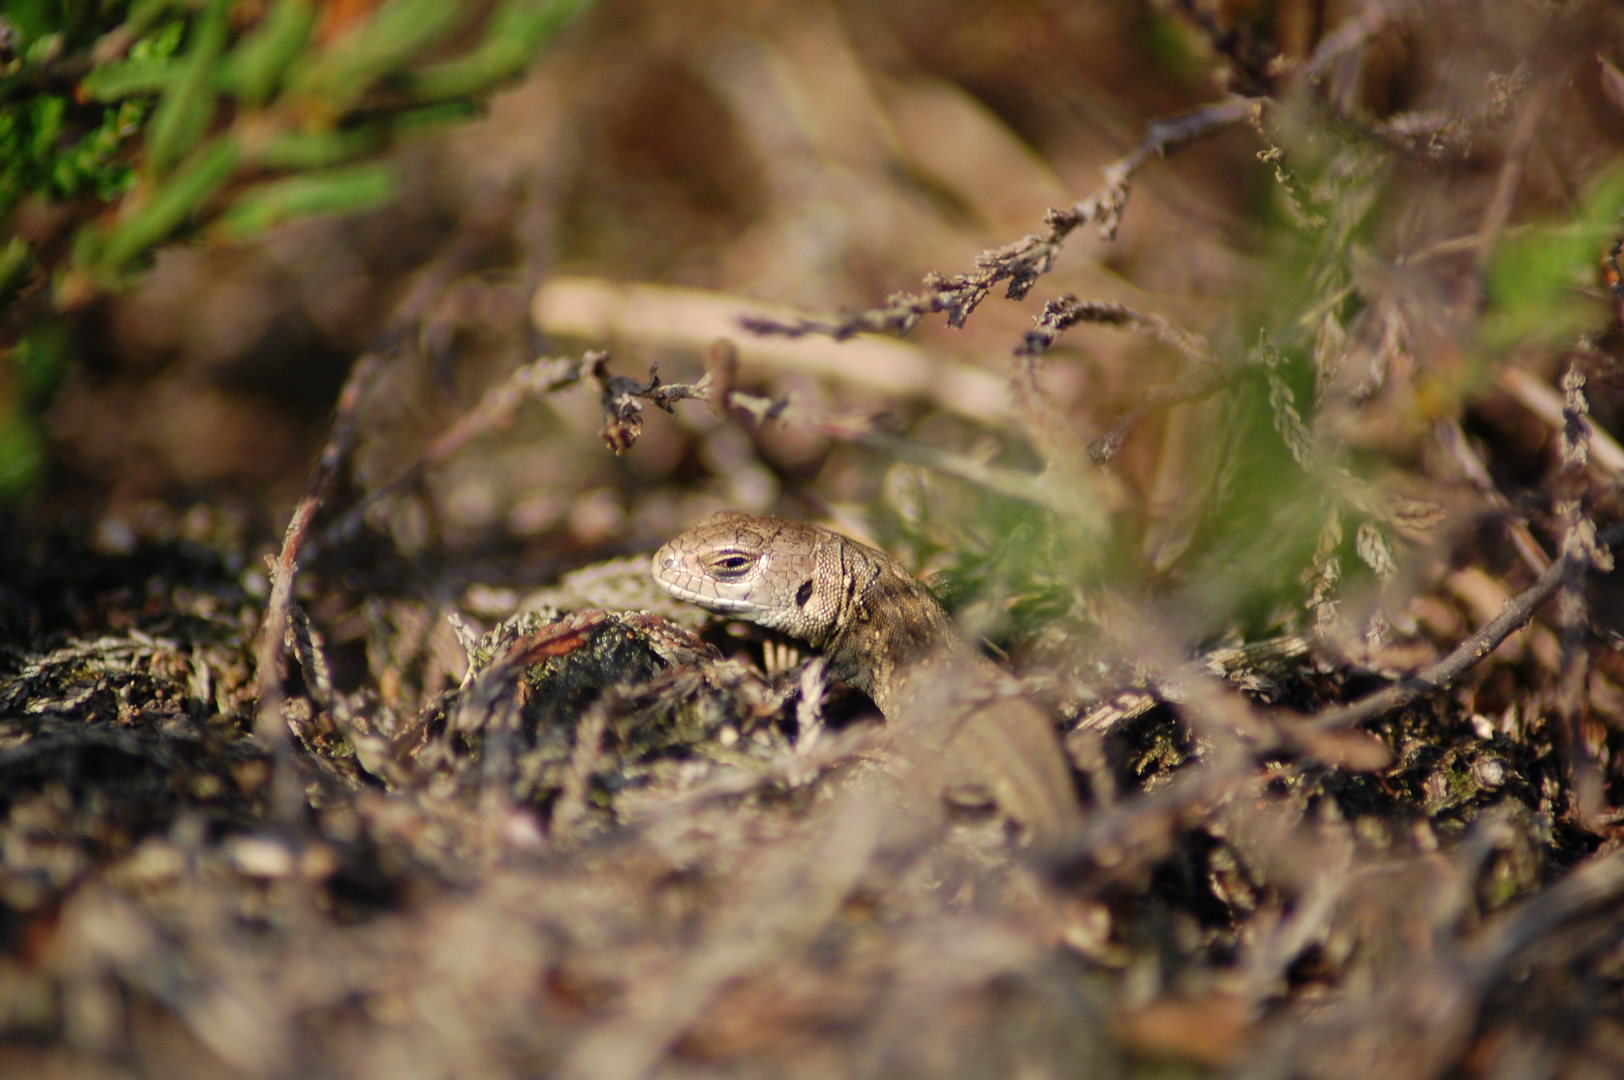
[127,126]
[1349,322]
[212,209]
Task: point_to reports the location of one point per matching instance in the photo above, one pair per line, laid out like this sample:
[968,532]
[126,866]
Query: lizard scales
[883,632]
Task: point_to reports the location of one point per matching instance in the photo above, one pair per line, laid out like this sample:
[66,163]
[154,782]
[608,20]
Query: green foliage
[1274,516]
[28,375]
[47,26]
[516,30]
[335,191]
[22,455]
[55,144]
[187,103]
[264,56]
[1174,46]
[298,104]
[159,118]
[337,77]
[171,204]
[219,106]
[52,148]
[40,360]
[16,261]
[1006,568]
[1536,277]
[146,71]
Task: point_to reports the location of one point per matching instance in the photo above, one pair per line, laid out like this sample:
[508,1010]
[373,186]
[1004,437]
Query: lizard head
[767,570]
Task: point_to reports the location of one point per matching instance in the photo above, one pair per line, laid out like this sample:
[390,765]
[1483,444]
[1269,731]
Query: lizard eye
[730,565]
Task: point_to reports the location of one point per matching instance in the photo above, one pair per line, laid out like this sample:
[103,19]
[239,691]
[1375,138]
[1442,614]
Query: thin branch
[495,410]
[1548,405]
[1021,263]
[480,703]
[621,398]
[270,657]
[477,232]
[1496,214]
[1196,385]
[1455,443]
[1208,377]
[1357,29]
[1580,552]
[862,429]
[570,805]
[1060,315]
[1517,613]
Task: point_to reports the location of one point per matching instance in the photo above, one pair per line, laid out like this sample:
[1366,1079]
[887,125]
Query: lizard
[882,631]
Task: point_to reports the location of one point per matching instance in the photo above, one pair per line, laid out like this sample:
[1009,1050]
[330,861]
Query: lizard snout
[665,560]
[672,573]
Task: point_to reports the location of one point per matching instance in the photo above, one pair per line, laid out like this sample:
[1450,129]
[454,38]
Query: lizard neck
[891,632]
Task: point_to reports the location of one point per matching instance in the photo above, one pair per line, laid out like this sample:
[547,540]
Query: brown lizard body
[884,633]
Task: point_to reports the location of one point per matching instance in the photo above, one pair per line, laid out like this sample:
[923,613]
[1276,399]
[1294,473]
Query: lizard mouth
[706,600]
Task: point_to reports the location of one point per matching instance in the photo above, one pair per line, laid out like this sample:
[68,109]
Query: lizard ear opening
[804,593]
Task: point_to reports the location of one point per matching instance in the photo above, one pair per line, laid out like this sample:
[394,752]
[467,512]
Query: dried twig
[622,400]
[270,657]
[1498,211]
[1455,443]
[1021,263]
[1518,611]
[495,410]
[1580,553]
[1060,315]
[667,317]
[480,229]
[863,429]
[1354,32]
[1540,399]
[497,679]
[571,802]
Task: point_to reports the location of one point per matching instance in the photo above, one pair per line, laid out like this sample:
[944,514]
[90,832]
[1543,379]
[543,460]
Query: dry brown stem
[1498,210]
[479,229]
[270,655]
[1024,261]
[1354,32]
[1455,443]
[1518,612]
[1060,315]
